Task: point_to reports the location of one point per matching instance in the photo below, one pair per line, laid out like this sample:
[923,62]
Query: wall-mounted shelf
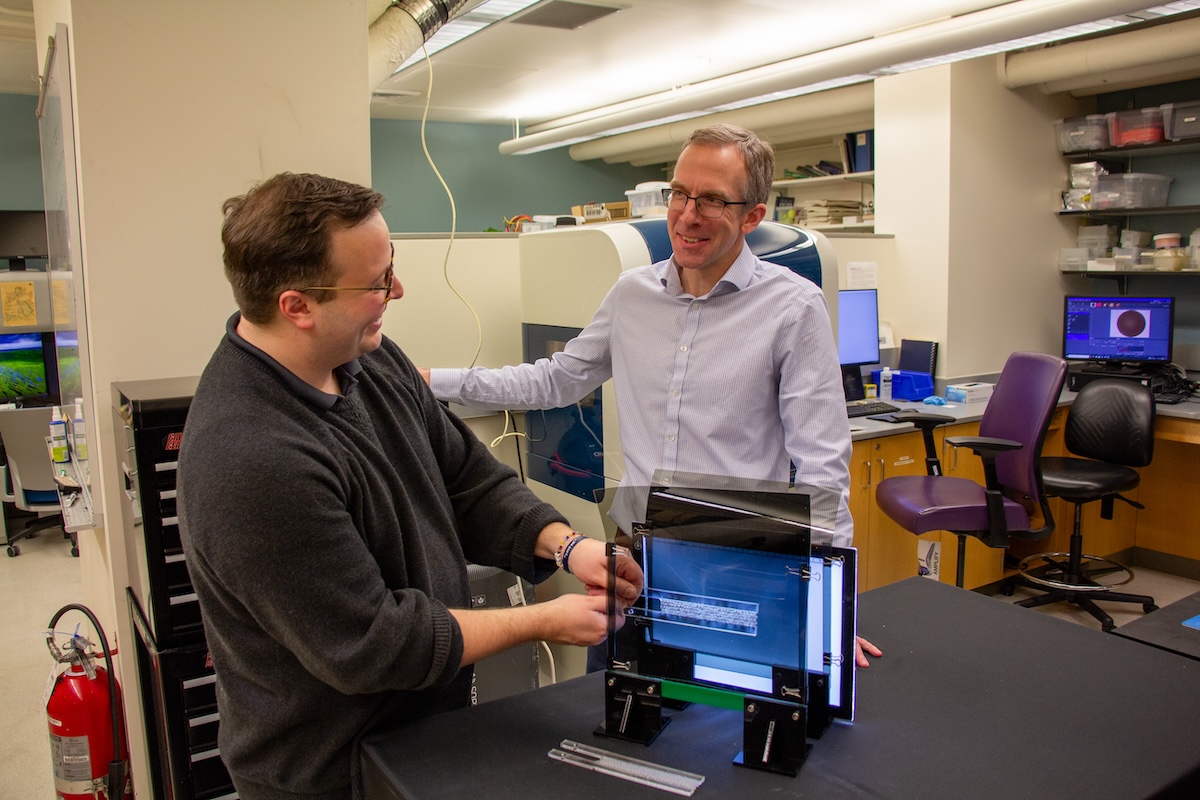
[1122,276]
[863,179]
[847,227]
[1130,153]
[1131,212]
[850,177]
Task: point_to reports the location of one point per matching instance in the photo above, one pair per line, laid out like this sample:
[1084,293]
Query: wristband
[560,553]
[567,552]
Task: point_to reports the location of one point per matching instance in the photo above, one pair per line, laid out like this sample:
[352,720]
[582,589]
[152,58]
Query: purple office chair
[1010,443]
[1111,424]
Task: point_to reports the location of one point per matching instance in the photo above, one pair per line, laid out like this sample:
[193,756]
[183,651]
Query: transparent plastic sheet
[724,617]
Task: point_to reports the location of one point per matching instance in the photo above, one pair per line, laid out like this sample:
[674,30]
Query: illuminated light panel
[1059,34]
[465,25]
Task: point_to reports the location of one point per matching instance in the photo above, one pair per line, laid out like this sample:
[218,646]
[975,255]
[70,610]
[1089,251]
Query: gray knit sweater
[326,545]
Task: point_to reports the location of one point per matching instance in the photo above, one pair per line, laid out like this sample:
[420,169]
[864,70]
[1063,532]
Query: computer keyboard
[866,408]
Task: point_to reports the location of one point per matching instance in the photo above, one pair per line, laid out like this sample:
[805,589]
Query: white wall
[912,199]
[967,179]
[461,308]
[179,106]
[462,300]
[1005,290]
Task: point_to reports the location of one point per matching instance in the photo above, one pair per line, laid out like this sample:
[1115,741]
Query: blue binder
[862,150]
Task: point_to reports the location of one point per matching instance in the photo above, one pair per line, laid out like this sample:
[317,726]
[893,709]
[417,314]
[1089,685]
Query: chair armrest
[926,423]
[921,419]
[986,447]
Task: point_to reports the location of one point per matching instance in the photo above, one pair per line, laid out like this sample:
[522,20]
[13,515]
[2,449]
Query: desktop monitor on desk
[28,375]
[857,337]
[1118,335]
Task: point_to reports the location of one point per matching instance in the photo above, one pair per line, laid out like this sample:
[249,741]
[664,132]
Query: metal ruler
[646,773]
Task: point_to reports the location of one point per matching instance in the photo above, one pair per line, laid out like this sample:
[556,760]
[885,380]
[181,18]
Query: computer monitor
[858,327]
[23,372]
[858,337]
[1112,331]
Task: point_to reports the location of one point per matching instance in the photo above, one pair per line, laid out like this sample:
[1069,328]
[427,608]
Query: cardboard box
[590,212]
[621,210]
[969,392]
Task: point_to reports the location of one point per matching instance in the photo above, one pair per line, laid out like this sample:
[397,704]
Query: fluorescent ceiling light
[465,25]
[541,137]
[1061,34]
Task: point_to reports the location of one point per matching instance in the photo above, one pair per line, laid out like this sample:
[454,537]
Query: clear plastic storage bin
[1141,126]
[1082,133]
[1131,190]
[1181,120]
[646,200]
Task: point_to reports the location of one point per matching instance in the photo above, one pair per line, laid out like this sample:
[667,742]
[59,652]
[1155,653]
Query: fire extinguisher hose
[116,767]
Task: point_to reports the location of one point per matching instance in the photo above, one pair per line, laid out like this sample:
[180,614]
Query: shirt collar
[347,373]
[736,278]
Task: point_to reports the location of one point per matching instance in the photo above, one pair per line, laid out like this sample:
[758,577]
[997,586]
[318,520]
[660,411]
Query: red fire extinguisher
[88,746]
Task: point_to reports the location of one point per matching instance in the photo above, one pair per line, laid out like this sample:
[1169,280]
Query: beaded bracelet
[560,553]
[567,552]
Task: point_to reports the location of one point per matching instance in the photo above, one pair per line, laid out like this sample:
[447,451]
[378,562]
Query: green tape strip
[704,695]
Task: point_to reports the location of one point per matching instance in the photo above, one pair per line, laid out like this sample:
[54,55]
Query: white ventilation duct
[811,116]
[1010,21]
[1159,54]
[399,29]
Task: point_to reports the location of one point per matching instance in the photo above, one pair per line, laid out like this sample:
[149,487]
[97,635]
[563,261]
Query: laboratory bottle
[59,450]
[885,384]
[79,432]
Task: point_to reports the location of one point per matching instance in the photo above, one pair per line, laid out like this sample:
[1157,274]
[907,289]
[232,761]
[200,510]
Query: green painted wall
[20,154]
[487,186]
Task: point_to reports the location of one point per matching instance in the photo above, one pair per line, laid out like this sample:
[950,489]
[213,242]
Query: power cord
[453,210]
[478,324]
[550,666]
[1170,383]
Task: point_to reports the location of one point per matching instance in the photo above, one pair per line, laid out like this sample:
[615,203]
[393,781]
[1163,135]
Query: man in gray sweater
[329,505]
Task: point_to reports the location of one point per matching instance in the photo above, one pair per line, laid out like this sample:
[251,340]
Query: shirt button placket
[675,395]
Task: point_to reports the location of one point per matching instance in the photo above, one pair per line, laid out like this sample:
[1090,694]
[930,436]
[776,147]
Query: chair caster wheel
[1008,590]
[1148,607]
[75,552]
[13,551]
[1107,627]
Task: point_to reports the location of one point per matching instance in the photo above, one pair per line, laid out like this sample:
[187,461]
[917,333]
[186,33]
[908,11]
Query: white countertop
[864,428]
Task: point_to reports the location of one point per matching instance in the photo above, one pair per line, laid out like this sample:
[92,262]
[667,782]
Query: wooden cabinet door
[984,564]
[891,551]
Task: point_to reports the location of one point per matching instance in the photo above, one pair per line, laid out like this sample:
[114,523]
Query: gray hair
[757,153]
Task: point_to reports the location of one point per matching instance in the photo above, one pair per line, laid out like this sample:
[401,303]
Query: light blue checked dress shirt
[737,383]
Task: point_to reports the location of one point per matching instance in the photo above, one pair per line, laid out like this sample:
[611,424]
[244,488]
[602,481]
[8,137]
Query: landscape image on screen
[66,346]
[22,365]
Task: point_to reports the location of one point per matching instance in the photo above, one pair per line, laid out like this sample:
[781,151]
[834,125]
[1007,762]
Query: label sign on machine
[646,773]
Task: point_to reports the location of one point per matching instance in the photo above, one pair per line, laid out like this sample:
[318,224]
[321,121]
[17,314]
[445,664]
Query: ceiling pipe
[822,132]
[1003,23]
[810,116]
[1169,51]
[399,29]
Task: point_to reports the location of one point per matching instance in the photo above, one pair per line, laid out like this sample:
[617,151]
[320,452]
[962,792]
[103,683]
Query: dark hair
[757,153]
[277,236]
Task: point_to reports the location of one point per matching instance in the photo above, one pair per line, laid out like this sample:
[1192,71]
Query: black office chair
[1010,443]
[1111,425]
